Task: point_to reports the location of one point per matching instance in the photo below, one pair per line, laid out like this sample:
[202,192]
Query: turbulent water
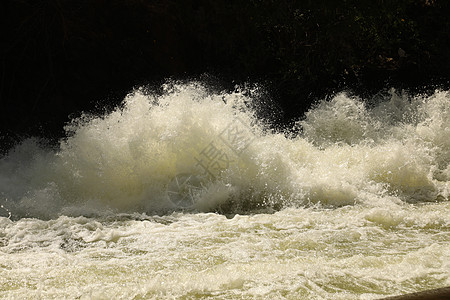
[188,193]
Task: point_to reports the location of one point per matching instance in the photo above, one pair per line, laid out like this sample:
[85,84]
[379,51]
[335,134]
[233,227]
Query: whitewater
[188,192]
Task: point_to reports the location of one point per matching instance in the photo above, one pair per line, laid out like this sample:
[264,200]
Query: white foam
[347,153]
[351,252]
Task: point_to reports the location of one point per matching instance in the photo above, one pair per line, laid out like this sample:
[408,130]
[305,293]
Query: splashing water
[353,207]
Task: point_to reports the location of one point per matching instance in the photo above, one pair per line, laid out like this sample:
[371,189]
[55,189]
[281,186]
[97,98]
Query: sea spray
[126,160]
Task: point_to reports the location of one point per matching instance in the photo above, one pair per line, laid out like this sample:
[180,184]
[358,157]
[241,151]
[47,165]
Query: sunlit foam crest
[137,156]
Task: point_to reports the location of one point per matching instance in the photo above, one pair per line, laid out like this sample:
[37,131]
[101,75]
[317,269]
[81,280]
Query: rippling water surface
[188,194]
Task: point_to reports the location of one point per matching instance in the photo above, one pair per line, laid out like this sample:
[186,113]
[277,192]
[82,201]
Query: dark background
[61,57]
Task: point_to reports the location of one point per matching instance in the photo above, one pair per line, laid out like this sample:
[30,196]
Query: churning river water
[187,194]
